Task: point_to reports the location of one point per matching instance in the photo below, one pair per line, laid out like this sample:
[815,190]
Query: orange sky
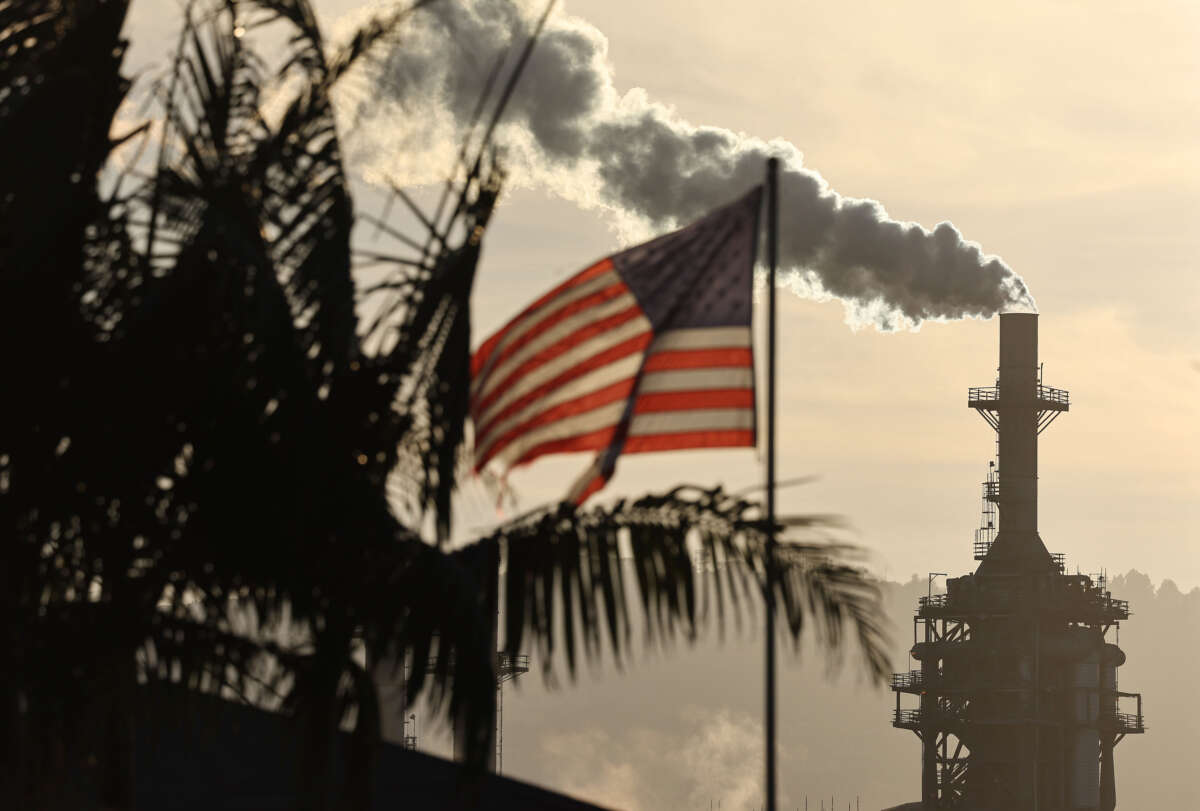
[1059,136]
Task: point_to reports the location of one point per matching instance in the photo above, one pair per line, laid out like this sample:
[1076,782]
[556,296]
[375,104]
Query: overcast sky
[1059,135]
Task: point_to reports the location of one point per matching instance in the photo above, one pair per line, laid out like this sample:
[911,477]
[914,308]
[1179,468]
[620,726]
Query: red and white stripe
[559,376]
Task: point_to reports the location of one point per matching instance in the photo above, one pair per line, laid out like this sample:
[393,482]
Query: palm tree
[214,474]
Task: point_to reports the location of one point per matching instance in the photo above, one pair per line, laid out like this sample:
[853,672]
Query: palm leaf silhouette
[215,475]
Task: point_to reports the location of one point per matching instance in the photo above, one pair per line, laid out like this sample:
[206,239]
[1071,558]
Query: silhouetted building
[199,752]
[1018,704]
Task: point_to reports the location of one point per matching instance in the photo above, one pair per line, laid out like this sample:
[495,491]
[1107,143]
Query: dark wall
[203,753]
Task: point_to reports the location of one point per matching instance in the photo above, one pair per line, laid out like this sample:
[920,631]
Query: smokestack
[1018,406]
[1018,424]
[570,129]
[1014,661]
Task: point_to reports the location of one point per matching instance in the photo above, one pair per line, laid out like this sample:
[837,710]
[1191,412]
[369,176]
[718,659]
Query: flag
[646,350]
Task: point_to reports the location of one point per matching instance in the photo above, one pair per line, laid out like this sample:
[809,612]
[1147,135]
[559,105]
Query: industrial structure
[1017,704]
[508,667]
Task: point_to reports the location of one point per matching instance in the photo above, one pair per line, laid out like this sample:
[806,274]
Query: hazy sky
[1058,135]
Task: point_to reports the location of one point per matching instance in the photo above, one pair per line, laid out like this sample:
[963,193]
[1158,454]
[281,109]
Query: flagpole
[772,261]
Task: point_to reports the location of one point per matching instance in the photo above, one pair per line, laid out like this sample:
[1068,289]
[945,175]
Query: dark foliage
[212,473]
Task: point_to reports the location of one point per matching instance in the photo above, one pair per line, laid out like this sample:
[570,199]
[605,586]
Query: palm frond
[433,323]
[200,476]
[684,560]
[59,91]
[558,560]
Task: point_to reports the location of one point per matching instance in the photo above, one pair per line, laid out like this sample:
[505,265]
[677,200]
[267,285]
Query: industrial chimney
[1018,706]
[1016,405]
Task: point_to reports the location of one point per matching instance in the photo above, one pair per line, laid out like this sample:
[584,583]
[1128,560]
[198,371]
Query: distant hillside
[1162,641]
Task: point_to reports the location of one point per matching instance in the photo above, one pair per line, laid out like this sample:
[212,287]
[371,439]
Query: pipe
[1017,547]
[1018,423]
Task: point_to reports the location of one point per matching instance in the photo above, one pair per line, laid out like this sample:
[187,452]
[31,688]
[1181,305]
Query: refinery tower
[1014,696]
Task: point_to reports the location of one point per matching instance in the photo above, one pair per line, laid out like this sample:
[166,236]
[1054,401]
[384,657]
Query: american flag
[646,350]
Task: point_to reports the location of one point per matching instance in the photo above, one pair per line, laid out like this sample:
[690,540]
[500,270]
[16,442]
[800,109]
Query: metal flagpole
[772,260]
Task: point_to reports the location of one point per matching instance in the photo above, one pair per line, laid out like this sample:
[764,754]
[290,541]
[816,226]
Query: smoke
[570,130]
[707,755]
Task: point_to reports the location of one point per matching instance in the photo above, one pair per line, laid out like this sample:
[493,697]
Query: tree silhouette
[219,451]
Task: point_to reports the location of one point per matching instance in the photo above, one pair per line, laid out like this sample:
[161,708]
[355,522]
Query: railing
[918,717]
[935,601]
[1128,722]
[991,490]
[1108,604]
[1060,562]
[1118,606]
[508,663]
[1053,395]
[908,681]
[1125,723]
[978,394]
[1084,595]
[990,394]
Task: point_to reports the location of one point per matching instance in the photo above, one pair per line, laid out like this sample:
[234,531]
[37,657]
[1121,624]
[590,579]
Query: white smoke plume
[707,755]
[570,130]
